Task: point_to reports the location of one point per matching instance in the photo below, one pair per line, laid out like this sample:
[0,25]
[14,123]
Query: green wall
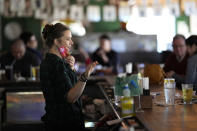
[27,24]
[34,25]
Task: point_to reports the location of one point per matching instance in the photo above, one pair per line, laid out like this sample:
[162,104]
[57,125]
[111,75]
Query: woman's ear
[56,42]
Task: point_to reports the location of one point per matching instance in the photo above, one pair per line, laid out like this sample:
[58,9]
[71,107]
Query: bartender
[60,86]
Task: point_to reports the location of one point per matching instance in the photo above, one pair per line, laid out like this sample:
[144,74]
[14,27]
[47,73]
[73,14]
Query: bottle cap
[126,90]
[126,86]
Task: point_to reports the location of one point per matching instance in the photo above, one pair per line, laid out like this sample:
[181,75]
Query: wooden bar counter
[178,117]
[172,118]
[158,118]
[161,117]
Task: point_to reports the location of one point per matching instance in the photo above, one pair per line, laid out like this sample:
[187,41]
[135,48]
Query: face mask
[63,51]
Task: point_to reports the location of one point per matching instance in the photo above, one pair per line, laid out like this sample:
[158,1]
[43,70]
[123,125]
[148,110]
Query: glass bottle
[127,102]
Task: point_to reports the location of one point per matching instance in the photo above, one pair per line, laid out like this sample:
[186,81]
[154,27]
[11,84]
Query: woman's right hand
[90,69]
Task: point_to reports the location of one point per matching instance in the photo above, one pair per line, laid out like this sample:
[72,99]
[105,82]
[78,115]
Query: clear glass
[187,90]
[139,108]
[169,92]
[117,100]
[9,72]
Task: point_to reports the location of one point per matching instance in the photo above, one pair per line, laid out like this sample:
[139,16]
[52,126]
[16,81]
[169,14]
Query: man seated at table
[191,73]
[106,57]
[19,58]
[177,61]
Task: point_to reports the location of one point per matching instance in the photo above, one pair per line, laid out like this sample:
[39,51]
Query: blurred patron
[31,43]
[191,73]
[106,57]
[177,61]
[19,59]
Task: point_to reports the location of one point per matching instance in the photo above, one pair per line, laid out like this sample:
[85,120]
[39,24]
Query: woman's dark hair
[25,36]
[191,40]
[51,32]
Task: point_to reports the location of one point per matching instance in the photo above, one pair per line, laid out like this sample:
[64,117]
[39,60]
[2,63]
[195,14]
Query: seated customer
[177,61]
[31,43]
[191,72]
[105,56]
[19,58]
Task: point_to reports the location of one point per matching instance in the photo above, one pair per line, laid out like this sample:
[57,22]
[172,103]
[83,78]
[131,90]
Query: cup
[169,91]
[129,68]
[117,100]
[145,85]
[117,97]
[9,72]
[187,90]
[35,73]
[2,74]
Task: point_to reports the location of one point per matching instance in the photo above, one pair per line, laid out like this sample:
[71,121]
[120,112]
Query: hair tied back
[48,29]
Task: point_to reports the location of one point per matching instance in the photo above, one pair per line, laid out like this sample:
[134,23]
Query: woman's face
[191,49]
[66,40]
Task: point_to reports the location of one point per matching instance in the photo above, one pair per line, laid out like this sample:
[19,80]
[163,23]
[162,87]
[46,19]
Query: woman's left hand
[71,60]
[90,68]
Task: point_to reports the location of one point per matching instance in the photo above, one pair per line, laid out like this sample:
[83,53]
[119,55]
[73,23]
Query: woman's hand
[71,60]
[90,69]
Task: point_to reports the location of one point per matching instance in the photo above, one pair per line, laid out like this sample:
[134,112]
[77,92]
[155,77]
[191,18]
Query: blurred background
[134,25]
[141,31]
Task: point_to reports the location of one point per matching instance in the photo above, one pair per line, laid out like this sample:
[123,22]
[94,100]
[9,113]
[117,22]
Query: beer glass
[187,90]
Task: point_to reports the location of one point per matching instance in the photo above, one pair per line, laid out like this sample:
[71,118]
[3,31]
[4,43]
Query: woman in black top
[59,82]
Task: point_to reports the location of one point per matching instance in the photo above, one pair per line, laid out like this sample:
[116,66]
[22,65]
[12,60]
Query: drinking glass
[169,91]
[9,72]
[139,108]
[187,93]
[35,72]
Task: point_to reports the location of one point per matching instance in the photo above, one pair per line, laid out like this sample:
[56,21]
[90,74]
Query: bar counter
[158,118]
[179,117]
[27,103]
[161,117]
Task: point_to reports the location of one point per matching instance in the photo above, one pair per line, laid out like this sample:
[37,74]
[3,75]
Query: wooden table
[169,118]
[178,117]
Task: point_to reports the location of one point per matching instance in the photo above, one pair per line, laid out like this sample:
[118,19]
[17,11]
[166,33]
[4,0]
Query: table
[109,95]
[167,118]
